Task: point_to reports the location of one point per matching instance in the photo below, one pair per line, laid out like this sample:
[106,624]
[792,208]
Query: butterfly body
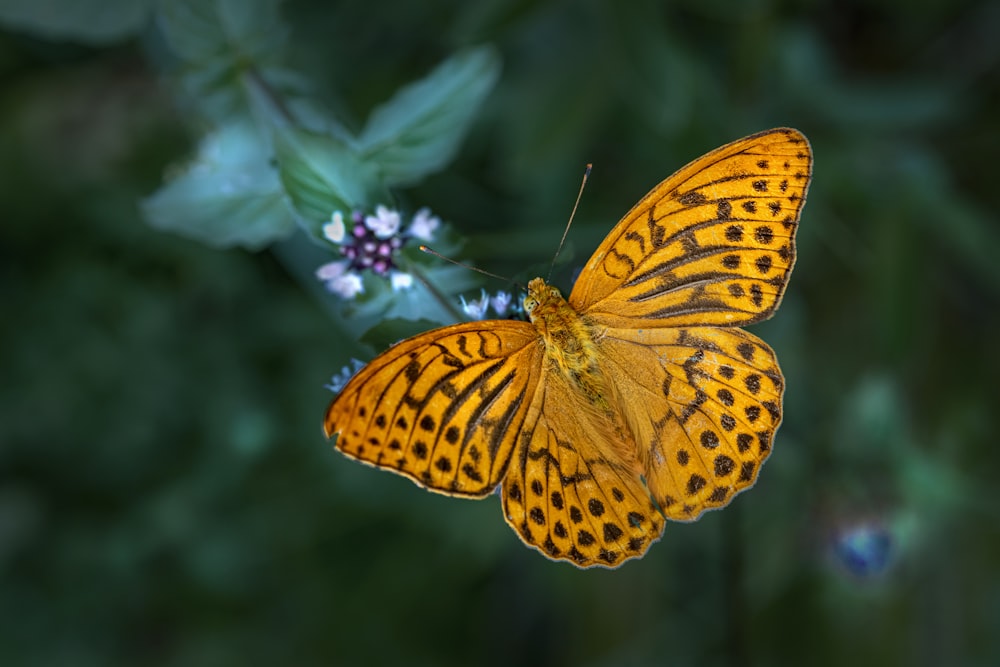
[567,340]
[635,400]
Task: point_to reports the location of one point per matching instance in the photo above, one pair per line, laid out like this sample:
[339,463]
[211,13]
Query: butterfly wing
[712,244]
[568,493]
[703,404]
[443,408]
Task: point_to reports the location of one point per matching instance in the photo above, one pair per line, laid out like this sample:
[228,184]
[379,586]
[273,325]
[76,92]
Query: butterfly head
[542,300]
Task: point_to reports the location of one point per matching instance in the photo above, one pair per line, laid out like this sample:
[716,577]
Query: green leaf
[94,22]
[322,174]
[217,42]
[418,131]
[229,196]
[200,30]
[392,330]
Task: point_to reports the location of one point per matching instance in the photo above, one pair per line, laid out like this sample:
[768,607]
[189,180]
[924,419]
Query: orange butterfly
[637,399]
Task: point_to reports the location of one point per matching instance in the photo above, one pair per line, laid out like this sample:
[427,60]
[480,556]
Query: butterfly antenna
[431,251]
[583,184]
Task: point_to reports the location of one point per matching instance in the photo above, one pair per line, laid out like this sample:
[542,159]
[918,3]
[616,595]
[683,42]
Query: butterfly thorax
[568,340]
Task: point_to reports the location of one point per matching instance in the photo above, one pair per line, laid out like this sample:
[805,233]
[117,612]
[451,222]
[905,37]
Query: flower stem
[439,296]
[258,88]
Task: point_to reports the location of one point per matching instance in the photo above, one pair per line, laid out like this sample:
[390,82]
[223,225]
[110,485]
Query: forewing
[566,495]
[703,403]
[712,244]
[443,408]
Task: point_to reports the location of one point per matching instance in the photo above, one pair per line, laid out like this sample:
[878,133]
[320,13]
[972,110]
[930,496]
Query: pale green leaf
[418,131]
[219,43]
[94,22]
[230,195]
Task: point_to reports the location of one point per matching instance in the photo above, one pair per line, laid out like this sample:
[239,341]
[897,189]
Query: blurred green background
[167,497]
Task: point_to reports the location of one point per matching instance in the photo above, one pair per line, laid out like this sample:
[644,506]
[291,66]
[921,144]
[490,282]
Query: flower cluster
[340,380]
[371,243]
[500,302]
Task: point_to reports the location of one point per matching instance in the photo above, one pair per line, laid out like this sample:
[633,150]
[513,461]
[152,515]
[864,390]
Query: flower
[385,223]
[331,271]
[335,230]
[371,242]
[423,225]
[400,280]
[501,302]
[340,279]
[338,381]
[476,308]
[368,246]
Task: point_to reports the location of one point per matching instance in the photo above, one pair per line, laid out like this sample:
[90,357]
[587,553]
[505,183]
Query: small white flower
[501,302]
[400,280]
[335,230]
[476,308]
[339,280]
[331,270]
[384,223]
[424,224]
[348,285]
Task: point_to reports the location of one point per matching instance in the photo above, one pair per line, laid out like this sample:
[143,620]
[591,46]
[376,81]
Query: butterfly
[637,399]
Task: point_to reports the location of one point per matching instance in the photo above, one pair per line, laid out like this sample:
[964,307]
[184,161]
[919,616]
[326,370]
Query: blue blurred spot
[865,550]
